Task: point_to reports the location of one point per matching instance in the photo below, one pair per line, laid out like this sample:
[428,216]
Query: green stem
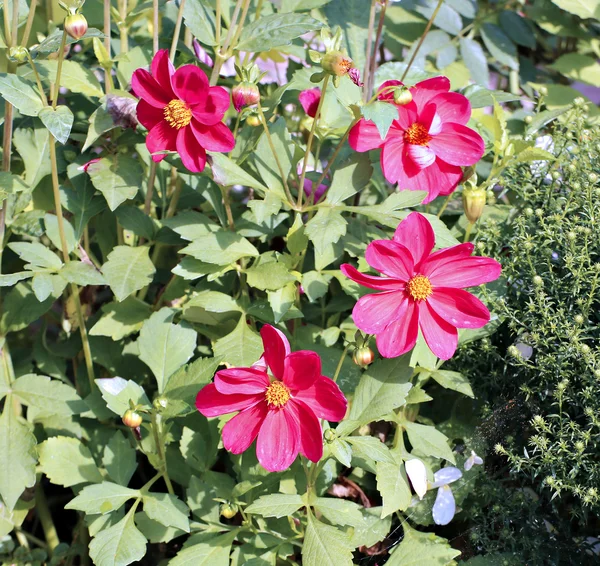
[309,142]
[43,512]
[61,58]
[123,31]
[160,448]
[369,49]
[30,16]
[38,80]
[7,28]
[177,30]
[33,539]
[340,363]
[154,26]
[240,26]
[107,77]
[444,206]
[468,231]
[371,77]
[218,23]
[150,189]
[221,54]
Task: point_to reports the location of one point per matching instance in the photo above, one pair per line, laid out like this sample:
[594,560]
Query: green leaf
[118,545]
[269,276]
[393,485]
[479,96]
[453,380]
[276,505]
[58,120]
[36,254]
[82,274]
[213,552]
[517,28]
[20,310]
[475,60]
[73,76]
[500,46]
[51,396]
[387,212]
[134,219]
[275,30]
[282,300]
[165,347]
[325,228]
[210,307]
[349,178]
[382,114]
[21,93]
[382,388]
[220,248]
[315,284]
[339,511]
[533,154]
[117,178]
[416,545]
[128,270]
[47,286]
[578,67]
[119,459]
[447,18]
[154,531]
[240,348]
[185,383]
[102,498]
[52,42]
[34,148]
[17,456]
[10,184]
[227,172]
[582,8]
[373,529]
[369,447]
[52,231]
[429,441]
[543,119]
[341,451]
[200,20]
[167,509]
[118,392]
[9,279]
[119,320]
[66,461]
[265,162]
[325,545]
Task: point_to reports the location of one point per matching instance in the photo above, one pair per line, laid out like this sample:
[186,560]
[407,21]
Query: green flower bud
[336,63]
[474,201]
[132,419]
[76,25]
[18,54]
[402,96]
[228,510]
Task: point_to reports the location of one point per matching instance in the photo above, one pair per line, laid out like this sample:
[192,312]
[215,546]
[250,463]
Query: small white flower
[415,470]
[473,460]
[444,506]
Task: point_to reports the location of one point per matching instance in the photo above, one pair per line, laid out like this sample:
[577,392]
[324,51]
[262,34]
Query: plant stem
[107,77]
[43,512]
[218,23]
[33,539]
[446,202]
[7,28]
[468,231]
[123,31]
[238,31]
[177,30]
[309,142]
[30,16]
[371,77]
[61,58]
[227,204]
[340,363]
[155,26]
[427,28]
[222,53]
[150,189]
[369,49]
[160,448]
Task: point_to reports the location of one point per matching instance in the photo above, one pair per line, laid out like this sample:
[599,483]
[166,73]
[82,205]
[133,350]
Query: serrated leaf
[265,161]
[102,498]
[341,451]
[134,219]
[52,42]
[429,441]
[416,545]
[185,383]
[276,505]
[533,154]
[82,274]
[227,172]
[214,552]
[59,121]
[578,67]
[52,231]
[67,461]
[21,93]
[269,276]
[36,254]
[154,531]
[220,248]
[200,20]
[240,348]
[51,396]
[128,270]
[582,8]
[500,46]
[167,509]
[475,60]
[453,380]
[21,308]
[47,286]
[325,228]
[33,146]
[517,28]
[9,279]
[119,459]
[543,119]
[165,347]
[393,485]
[382,114]
[73,76]
[119,320]
[369,447]
[479,96]
[117,178]
[325,545]
[349,178]
[118,545]
[339,511]
[118,392]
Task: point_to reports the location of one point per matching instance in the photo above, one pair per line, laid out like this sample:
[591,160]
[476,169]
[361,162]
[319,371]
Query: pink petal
[444,255]
[400,336]
[149,115]
[146,87]
[162,70]
[161,137]
[424,91]
[459,308]
[388,95]
[211,403]
[458,145]
[392,158]
[310,100]
[277,348]
[391,258]
[301,369]
[438,178]
[421,155]
[364,136]
[325,398]
[452,107]
[311,434]
[190,84]
[415,233]
[191,152]
[239,432]
[246,381]
[441,336]
[462,272]
[278,441]
[373,313]
[217,137]
[370,281]
[407,116]
[211,110]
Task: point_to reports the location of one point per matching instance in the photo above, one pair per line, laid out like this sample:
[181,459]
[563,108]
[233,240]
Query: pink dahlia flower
[181,112]
[310,100]
[428,144]
[282,408]
[420,290]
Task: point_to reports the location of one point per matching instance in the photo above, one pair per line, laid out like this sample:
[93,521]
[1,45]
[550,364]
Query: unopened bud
[76,25]
[474,200]
[228,510]
[244,94]
[253,120]
[18,54]
[402,96]
[363,356]
[160,403]
[132,419]
[336,63]
[330,435]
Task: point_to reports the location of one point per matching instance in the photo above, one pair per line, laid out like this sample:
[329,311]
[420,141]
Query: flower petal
[417,473]
[149,115]
[212,108]
[311,435]
[371,281]
[217,137]
[190,84]
[452,107]
[441,336]
[191,152]
[388,95]
[161,138]
[301,370]
[325,398]
[145,86]
[310,100]
[416,234]
[425,90]
[277,348]
[421,155]
[439,178]
[444,507]
[445,476]
[458,145]
[444,255]
[278,441]
[459,308]
[401,335]
[364,136]
[211,403]
[392,158]
[372,313]
[462,271]
[239,432]
[246,381]
[162,70]
[391,258]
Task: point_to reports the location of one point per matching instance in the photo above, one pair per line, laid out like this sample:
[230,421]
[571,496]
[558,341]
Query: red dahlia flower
[181,112]
[282,409]
[420,290]
[428,144]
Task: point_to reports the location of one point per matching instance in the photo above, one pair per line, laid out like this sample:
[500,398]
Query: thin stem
[158,439]
[371,76]
[150,189]
[258,9]
[15,23]
[427,28]
[468,231]
[309,142]
[43,512]
[227,204]
[369,49]
[221,53]
[218,23]
[238,32]
[38,80]
[61,58]
[107,77]
[174,200]
[7,35]
[33,539]
[30,16]
[155,26]
[123,31]
[446,202]
[340,363]
[177,30]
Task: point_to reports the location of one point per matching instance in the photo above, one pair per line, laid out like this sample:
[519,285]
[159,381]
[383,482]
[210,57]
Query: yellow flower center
[277,394]
[177,114]
[417,134]
[419,287]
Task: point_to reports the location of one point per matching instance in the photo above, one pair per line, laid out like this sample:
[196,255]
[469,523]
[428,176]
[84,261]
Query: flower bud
[330,435]
[363,356]
[76,25]
[474,200]
[160,403]
[336,63]
[402,96]
[244,94]
[132,419]
[18,54]
[228,510]
[253,120]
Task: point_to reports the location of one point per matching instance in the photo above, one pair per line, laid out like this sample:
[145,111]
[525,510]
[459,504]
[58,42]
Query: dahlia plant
[234,262]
